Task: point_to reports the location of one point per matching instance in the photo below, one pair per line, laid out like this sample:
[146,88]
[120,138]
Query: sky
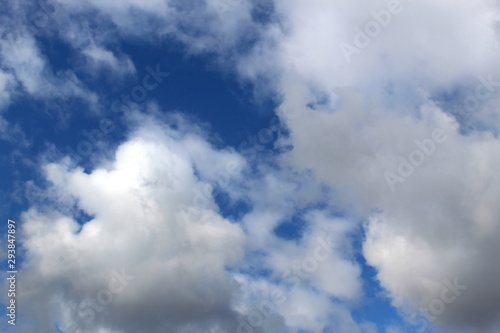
[238,166]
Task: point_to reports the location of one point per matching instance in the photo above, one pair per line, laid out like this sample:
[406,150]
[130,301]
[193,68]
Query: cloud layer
[391,114]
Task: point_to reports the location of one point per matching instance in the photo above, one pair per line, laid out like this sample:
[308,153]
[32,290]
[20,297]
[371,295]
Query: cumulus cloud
[358,124]
[171,266]
[392,104]
[311,281]
[138,244]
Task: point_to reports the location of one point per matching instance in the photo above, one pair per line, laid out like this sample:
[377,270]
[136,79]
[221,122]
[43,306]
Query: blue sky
[227,166]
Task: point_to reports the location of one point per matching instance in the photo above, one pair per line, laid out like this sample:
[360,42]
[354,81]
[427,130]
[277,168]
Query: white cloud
[393,329]
[321,255]
[312,278]
[407,49]
[7,84]
[102,57]
[367,115]
[23,61]
[137,224]
[352,123]
[21,54]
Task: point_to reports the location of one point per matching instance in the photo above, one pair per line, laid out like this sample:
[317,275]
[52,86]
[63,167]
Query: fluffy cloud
[137,244]
[358,124]
[306,281]
[164,269]
[403,49]
[392,104]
